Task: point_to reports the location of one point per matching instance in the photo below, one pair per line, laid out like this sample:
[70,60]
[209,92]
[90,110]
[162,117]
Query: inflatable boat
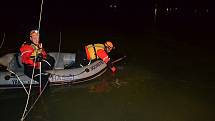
[12,71]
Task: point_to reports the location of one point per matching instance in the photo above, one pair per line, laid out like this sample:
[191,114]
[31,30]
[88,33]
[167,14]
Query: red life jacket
[29,52]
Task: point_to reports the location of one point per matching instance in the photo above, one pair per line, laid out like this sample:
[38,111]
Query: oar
[119,59]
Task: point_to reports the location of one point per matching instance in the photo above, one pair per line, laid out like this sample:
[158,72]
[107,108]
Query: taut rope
[25,112]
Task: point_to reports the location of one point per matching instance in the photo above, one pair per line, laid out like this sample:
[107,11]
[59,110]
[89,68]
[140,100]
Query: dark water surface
[164,78]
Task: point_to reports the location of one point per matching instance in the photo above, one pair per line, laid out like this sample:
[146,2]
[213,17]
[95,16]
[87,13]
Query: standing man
[32,55]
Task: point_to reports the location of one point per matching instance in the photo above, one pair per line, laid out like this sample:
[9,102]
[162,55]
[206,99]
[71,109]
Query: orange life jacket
[96,51]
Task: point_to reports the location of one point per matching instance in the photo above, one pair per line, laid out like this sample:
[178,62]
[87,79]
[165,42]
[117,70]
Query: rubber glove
[39,58]
[113,69]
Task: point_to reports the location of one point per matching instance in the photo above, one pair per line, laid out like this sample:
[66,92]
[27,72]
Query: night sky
[185,18]
[24,14]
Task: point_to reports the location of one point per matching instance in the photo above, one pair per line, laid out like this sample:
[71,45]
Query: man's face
[108,49]
[35,38]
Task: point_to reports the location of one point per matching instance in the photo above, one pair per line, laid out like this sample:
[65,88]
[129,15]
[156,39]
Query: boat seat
[62,59]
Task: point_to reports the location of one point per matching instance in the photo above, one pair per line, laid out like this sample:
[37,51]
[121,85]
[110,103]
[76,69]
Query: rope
[26,113]
[41,10]
[28,98]
[19,80]
[2,41]
[34,103]
[47,84]
[85,70]
[29,93]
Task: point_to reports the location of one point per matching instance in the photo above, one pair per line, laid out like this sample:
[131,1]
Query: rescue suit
[91,53]
[31,56]
[29,52]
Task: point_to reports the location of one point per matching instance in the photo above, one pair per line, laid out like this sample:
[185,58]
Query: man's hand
[40,45]
[39,58]
[113,69]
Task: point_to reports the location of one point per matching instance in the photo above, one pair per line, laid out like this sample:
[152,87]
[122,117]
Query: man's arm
[104,56]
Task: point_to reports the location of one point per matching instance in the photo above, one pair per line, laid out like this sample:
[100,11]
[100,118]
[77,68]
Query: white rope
[41,10]
[42,89]
[19,80]
[29,93]
[2,41]
[47,62]
[28,98]
[25,113]
[34,103]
